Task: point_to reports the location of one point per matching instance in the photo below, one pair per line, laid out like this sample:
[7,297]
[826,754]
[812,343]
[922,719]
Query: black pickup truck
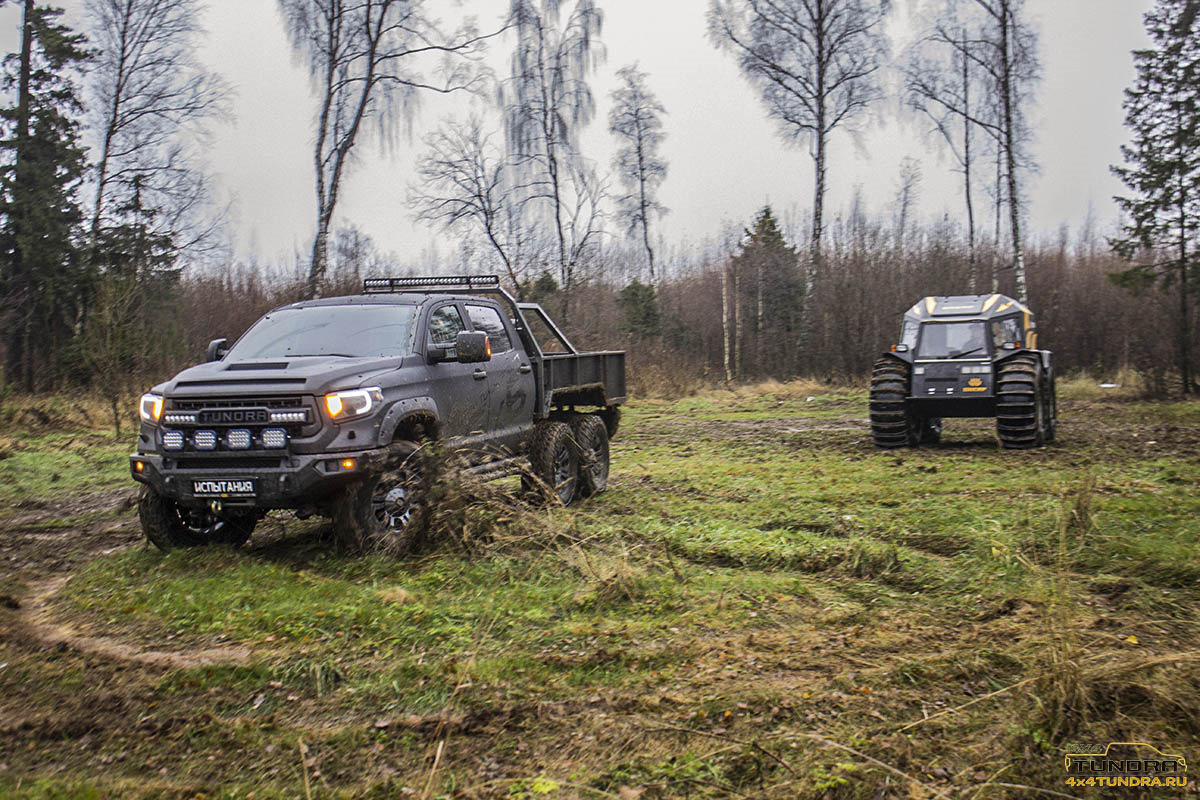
[330,407]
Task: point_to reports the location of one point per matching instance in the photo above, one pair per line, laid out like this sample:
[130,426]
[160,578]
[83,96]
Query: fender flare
[403,410]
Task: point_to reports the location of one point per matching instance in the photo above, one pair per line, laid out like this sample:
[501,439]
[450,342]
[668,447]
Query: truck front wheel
[388,511]
[168,525]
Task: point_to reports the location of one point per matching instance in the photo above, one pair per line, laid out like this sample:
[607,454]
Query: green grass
[756,574]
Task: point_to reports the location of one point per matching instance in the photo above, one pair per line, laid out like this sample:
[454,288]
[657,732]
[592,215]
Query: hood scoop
[255,365]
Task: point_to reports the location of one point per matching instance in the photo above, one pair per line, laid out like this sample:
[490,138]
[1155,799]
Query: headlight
[151,407]
[353,403]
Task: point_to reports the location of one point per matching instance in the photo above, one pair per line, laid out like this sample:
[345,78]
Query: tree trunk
[737,327]
[999,216]
[1010,157]
[966,86]
[18,361]
[1185,334]
[759,324]
[725,323]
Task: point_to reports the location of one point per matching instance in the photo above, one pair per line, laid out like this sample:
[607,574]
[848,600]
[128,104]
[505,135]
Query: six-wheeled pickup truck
[331,406]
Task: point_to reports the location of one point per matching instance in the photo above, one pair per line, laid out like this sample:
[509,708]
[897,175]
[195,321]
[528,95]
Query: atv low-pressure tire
[892,424]
[388,511]
[168,525]
[554,459]
[591,438]
[1021,403]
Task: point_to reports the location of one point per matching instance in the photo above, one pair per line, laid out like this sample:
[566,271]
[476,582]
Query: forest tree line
[112,265]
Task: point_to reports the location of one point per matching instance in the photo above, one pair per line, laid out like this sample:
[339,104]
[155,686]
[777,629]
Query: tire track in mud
[40,561]
[36,620]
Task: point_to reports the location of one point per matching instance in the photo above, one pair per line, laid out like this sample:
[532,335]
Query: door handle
[524,369]
[479,374]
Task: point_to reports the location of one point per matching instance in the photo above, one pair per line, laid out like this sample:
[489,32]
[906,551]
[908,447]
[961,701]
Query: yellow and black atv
[964,356]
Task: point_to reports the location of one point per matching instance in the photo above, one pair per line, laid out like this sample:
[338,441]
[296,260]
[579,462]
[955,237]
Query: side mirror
[473,347]
[436,355]
[217,349]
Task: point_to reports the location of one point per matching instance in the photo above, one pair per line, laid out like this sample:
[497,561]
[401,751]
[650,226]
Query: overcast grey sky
[726,159]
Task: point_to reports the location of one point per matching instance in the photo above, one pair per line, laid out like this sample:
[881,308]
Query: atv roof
[971,306]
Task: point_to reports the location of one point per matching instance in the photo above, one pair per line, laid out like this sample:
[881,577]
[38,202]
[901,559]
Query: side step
[499,468]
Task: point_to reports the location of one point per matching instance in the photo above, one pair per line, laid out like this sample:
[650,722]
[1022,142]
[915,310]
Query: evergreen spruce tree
[767,272]
[42,274]
[1162,164]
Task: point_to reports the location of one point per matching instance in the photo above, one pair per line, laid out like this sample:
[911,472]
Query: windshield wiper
[965,352]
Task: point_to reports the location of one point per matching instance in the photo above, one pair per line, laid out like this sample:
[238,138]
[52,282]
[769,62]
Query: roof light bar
[391,285]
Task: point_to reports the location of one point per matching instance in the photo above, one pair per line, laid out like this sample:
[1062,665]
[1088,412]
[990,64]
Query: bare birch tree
[814,62]
[368,59]
[150,97]
[942,82]
[991,39]
[463,184]
[636,119]
[546,101]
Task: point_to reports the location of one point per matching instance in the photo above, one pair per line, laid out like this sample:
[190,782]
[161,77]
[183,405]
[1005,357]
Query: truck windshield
[358,331]
[953,340]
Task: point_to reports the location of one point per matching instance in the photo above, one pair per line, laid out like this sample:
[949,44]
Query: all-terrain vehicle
[964,356]
[331,406]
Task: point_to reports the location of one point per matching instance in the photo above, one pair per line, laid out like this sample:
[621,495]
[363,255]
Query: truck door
[510,378]
[460,390]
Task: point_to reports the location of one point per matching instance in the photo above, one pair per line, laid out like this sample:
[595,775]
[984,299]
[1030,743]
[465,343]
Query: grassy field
[762,605]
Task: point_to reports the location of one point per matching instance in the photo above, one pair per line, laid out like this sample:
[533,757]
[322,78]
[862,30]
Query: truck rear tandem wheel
[591,437]
[554,459]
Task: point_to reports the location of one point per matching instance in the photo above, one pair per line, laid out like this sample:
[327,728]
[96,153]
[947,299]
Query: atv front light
[353,403]
[151,407]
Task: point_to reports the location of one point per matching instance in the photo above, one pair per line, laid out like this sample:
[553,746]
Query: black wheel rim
[563,474]
[200,523]
[394,500]
[595,460]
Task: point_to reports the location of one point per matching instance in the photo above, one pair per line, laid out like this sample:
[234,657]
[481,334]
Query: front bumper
[301,479]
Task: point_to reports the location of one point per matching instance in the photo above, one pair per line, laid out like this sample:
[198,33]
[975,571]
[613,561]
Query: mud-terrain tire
[892,424]
[554,459]
[1051,413]
[1020,403]
[168,525]
[388,511]
[591,438]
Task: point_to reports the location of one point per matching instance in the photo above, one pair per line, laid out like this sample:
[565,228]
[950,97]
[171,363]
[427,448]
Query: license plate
[224,487]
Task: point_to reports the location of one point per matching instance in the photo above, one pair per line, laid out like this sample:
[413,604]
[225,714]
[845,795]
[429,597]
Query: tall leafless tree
[546,101]
[636,119]
[149,97]
[992,39]
[463,184]
[368,59]
[942,82]
[814,62]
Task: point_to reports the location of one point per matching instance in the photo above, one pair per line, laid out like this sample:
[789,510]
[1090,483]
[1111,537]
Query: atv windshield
[953,340]
[351,331]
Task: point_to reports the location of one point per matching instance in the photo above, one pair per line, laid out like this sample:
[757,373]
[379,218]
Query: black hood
[307,375]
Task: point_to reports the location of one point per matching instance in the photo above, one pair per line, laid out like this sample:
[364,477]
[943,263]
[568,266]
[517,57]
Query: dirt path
[38,556]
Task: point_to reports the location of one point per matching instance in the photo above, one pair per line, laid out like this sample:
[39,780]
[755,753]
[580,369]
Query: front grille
[200,403]
[251,462]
